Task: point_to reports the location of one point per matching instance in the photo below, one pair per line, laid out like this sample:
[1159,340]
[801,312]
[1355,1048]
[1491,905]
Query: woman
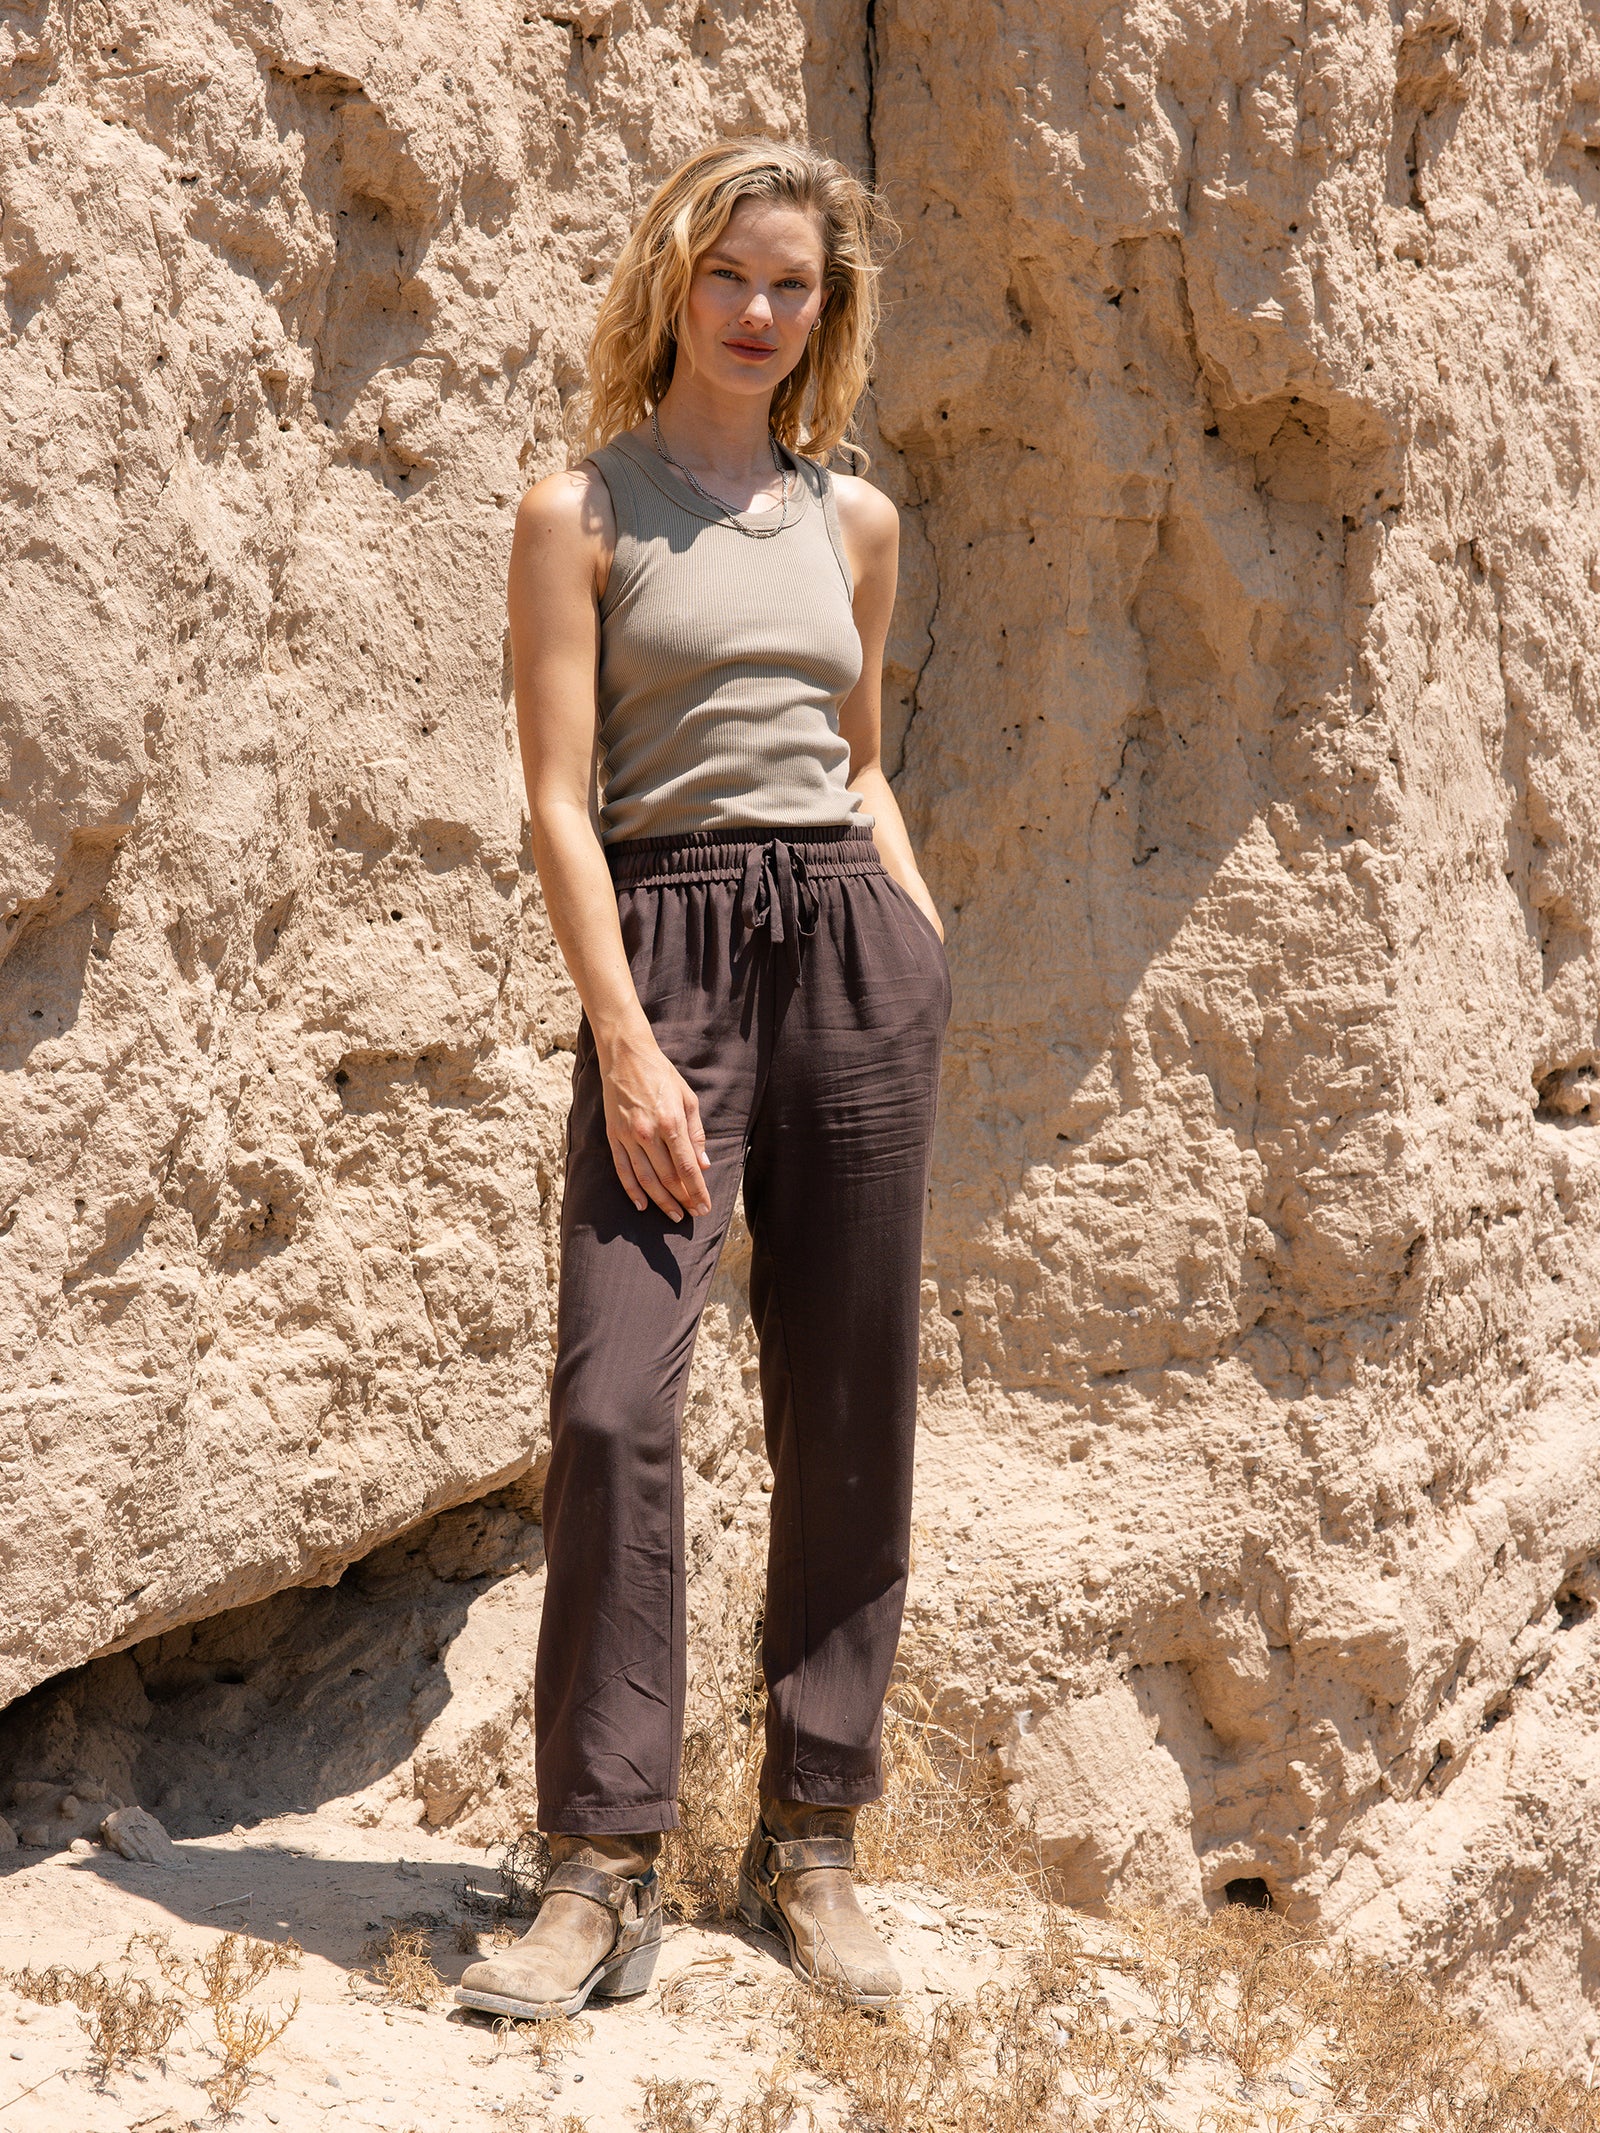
[698,615]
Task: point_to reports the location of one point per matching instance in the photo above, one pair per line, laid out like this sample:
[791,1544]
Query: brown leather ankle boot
[795,1881]
[597,1934]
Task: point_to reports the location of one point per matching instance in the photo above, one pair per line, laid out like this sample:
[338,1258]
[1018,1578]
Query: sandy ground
[349,2059]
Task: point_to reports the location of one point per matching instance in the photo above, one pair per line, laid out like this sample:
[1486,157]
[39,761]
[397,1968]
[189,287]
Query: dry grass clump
[522,1864]
[678,2106]
[543,2042]
[221,1976]
[699,1987]
[218,1981]
[243,2034]
[402,1966]
[125,2018]
[773,2109]
[525,2117]
[697,2107]
[942,1819]
[897,2078]
[226,1972]
[1250,1985]
[239,1962]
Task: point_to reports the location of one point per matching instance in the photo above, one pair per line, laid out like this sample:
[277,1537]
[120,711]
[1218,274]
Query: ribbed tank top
[723,660]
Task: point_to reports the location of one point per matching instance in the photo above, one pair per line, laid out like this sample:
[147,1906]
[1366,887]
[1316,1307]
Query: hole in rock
[385,1697]
[1569,1093]
[1249,1892]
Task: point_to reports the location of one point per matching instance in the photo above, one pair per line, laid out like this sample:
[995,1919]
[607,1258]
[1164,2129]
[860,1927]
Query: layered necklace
[786,477]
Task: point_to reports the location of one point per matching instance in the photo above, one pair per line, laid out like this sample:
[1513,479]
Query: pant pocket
[918,915]
[919,933]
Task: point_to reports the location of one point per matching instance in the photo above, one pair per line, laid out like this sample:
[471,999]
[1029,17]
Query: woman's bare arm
[871,529]
[559,554]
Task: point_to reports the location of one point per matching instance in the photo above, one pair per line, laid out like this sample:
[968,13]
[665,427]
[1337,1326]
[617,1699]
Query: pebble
[81,1846]
[334,2082]
[18,2055]
[1297,2088]
[404,1866]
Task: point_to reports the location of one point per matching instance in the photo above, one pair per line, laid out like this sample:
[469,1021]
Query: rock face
[294,297]
[1239,389]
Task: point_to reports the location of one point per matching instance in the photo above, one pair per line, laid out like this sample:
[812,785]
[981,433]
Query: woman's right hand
[653,1125]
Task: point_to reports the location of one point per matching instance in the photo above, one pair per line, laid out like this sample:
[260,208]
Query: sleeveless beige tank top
[723,660]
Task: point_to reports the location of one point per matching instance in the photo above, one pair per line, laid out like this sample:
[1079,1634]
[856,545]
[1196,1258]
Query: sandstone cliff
[1240,393]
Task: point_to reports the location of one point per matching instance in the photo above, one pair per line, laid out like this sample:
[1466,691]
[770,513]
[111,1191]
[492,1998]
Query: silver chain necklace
[786,476]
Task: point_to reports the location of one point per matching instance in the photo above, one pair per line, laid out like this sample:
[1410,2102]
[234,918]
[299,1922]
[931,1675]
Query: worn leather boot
[597,1934]
[794,1881]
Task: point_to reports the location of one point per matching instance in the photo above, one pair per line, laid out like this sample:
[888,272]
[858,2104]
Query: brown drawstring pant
[803,996]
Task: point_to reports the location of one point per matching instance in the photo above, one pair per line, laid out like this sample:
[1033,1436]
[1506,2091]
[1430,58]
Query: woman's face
[754,298]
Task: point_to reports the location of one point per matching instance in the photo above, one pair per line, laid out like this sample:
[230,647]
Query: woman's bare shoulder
[866,515]
[862,504]
[573,504]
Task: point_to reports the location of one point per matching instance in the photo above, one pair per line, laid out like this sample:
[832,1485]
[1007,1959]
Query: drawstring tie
[777,893]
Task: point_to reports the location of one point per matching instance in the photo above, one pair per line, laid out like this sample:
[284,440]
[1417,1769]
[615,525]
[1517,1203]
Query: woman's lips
[752,348]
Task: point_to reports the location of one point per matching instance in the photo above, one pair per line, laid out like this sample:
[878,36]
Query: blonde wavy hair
[635,340]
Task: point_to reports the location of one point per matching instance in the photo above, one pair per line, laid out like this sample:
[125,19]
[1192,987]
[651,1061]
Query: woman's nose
[758,310]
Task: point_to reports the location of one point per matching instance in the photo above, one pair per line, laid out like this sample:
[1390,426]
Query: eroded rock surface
[294,298]
[1239,389]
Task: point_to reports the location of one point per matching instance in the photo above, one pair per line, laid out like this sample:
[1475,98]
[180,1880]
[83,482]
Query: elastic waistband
[724,854]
